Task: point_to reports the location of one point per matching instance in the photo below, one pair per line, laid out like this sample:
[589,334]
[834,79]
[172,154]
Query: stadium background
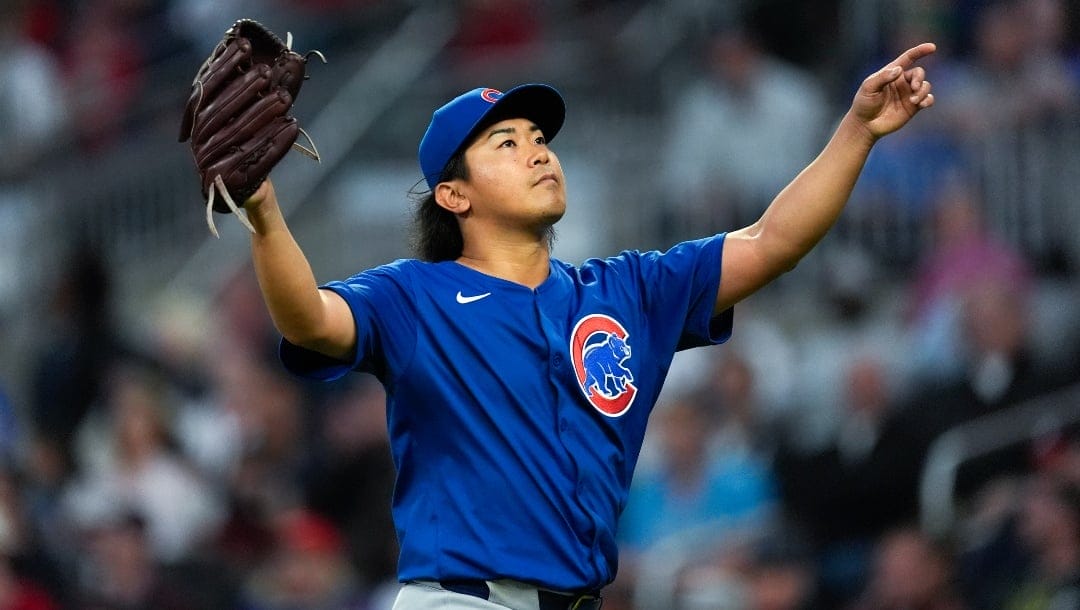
[156,456]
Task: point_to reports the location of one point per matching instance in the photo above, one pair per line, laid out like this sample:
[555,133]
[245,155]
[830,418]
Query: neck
[522,263]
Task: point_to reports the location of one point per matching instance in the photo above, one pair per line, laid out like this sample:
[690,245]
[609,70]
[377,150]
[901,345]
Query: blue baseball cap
[455,123]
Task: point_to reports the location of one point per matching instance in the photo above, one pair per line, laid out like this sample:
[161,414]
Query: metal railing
[981,437]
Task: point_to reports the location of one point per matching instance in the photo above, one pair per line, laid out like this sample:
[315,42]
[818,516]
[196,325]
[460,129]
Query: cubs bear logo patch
[600,349]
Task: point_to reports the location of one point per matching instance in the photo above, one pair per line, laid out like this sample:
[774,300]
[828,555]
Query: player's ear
[450,197]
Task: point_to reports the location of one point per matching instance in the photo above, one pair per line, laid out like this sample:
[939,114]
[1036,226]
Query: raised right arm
[306,316]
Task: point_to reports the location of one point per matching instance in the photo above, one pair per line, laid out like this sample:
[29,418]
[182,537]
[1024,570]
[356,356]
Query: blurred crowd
[81,75]
[185,470]
[175,465]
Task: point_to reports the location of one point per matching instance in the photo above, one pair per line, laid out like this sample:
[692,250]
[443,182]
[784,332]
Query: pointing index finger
[914,54]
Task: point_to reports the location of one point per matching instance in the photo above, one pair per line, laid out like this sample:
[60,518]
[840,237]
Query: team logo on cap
[491,95]
[599,348]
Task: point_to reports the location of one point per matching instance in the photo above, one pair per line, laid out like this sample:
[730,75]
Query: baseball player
[519,386]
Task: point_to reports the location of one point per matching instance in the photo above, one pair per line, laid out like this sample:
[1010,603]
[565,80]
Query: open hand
[888,98]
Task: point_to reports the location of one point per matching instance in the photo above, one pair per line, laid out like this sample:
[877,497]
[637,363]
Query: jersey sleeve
[686,278]
[381,305]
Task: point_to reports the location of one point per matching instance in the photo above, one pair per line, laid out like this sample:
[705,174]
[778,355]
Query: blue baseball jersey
[516,416]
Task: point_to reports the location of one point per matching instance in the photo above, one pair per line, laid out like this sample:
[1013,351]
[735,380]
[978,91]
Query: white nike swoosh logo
[464,299]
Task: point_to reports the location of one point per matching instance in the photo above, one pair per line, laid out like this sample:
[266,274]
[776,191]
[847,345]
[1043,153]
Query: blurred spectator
[273,436]
[246,536]
[734,377]
[1059,454]
[697,483]
[743,425]
[769,571]
[21,263]
[250,407]
[18,593]
[244,325]
[911,571]
[1021,142]
[104,65]
[81,344]
[32,99]
[119,571]
[46,21]
[351,479]
[865,481]
[41,487]
[737,134]
[501,32]
[718,584]
[225,426]
[28,578]
[998,373]
[893,200]
[16,532]
[1024,546]
[1049,528]
[784,24]
[698,492]
[228,412]
[248,430]
[131,465]
[965,254]
[990,561]
[185,334]
[309,569]
[782,575]
[10,429]
[703,489]
[1017,60]
[262,411]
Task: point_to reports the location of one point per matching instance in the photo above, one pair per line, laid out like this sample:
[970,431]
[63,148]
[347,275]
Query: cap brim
[457,123]
[539,103]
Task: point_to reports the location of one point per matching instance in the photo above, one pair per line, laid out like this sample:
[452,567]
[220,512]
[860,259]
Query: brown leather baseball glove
[237,115]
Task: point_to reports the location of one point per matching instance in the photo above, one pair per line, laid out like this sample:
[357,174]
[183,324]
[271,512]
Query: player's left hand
[888,98]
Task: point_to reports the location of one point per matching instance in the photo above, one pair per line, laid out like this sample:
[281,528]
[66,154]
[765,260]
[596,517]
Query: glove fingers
[288,66]
[243,127]
[218,69]
[288,71]
[237,54]
[265,44]
[247,165]
[237,95]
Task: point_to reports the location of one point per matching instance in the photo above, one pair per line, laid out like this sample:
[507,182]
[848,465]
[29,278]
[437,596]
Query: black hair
[436,235]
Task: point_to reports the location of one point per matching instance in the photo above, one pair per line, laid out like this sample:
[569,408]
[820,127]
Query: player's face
[514,176]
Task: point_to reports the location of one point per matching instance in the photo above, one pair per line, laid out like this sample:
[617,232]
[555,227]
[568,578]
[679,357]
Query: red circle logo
[491,95]
[600,350]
